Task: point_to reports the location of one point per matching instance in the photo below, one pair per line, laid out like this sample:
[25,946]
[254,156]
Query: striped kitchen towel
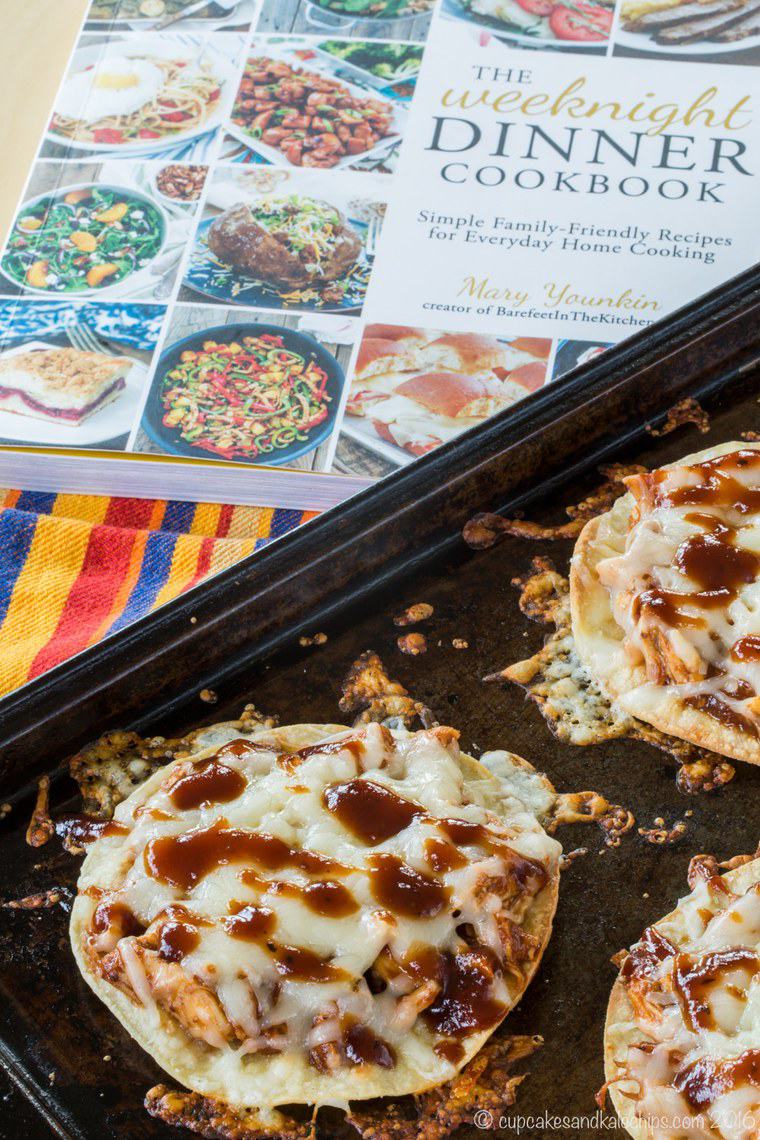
[74,568]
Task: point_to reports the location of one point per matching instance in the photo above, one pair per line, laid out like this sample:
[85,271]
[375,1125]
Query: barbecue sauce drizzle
[705,1079]
[715,564]
[210,782]
[83,829]
[370,811]
[701,1082]
[464,1004]
[183,860]
[694,980]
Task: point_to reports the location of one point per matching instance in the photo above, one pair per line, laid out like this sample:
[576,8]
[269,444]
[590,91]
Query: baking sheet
[54,1035]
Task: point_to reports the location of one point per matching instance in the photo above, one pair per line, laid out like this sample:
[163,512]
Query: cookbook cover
[271,252]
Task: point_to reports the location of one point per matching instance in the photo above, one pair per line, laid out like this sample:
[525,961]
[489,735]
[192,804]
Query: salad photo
[256,393]
[556,23]
[83,239]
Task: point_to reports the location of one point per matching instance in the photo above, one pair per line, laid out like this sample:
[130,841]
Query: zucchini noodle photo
[251,398]
[180,96]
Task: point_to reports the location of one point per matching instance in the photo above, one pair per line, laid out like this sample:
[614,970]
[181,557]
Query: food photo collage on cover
[186,272]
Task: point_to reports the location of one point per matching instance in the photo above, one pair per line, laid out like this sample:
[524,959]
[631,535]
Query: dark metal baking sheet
[346,575]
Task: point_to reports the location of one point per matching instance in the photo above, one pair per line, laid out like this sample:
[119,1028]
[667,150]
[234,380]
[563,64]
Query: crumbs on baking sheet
[39,901]
[419,611]
[688,411]
[41,827]
[314,639]
[591,807]
[705,774]
[412,643]
[370,696]
[208,696]
[661,835]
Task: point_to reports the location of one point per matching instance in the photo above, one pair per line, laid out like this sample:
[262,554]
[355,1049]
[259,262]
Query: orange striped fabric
[74,568]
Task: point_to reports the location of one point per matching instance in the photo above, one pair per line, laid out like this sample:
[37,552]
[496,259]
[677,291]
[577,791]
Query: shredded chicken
[191,1003]
[573,705]
[668,656]
[409,1008]
[520,948]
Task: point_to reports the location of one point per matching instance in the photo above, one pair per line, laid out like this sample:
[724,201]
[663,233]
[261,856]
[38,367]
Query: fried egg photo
[115,85]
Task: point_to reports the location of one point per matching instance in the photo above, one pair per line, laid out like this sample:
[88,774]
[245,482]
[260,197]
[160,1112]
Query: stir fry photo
[306,117]
[248,398]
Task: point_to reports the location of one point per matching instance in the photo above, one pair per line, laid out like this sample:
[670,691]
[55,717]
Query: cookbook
[271,252]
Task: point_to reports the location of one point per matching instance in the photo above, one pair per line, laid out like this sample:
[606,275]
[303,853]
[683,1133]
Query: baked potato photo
[306,244]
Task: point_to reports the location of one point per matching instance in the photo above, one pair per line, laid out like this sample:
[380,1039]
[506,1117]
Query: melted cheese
[686,592]
[317,902]
[696,1060]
